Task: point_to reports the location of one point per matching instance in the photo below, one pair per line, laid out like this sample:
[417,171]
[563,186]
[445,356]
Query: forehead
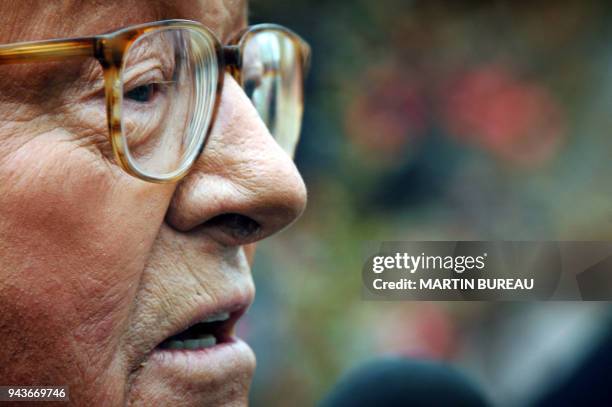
[42,19]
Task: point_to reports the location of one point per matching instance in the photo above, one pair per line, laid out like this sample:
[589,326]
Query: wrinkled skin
[95,265]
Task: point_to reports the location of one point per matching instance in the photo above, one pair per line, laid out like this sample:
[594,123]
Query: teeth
[176,345]
[206,341]
[192,344]
[222,316]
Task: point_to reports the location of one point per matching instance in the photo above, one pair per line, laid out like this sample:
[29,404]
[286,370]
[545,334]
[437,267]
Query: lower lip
[227,358]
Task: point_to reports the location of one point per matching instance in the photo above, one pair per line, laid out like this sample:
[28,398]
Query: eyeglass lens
[272,78]
[169,84]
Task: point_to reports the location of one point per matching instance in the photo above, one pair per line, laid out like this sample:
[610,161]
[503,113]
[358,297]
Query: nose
[243,187]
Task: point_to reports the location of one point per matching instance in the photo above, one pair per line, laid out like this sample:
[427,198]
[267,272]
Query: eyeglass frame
[110,50]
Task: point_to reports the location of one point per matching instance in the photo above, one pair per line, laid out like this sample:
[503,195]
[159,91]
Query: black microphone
[394,382]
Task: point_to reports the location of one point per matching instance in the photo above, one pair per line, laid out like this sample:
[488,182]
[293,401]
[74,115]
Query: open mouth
[211,331]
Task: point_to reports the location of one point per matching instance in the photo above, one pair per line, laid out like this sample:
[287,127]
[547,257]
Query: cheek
[74,236]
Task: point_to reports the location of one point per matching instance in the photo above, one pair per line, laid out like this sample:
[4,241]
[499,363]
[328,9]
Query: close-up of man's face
[157,158]
[124,290]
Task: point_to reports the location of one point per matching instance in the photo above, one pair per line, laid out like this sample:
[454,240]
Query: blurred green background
[436,120]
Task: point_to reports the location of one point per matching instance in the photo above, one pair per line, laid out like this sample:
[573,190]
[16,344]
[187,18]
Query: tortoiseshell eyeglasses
[161,84]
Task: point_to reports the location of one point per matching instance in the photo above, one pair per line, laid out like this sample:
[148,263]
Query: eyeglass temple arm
[47,50]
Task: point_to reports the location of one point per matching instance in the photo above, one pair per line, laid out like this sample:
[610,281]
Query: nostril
[242,229]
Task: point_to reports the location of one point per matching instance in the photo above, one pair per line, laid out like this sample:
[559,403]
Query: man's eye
[142,94]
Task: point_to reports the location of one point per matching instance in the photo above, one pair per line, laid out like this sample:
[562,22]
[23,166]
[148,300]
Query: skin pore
[97,267]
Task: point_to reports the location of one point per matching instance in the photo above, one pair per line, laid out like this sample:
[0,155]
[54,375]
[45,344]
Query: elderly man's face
[98,268]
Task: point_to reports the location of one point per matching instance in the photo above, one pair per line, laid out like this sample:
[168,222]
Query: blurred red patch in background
[387,113]
[511,118]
